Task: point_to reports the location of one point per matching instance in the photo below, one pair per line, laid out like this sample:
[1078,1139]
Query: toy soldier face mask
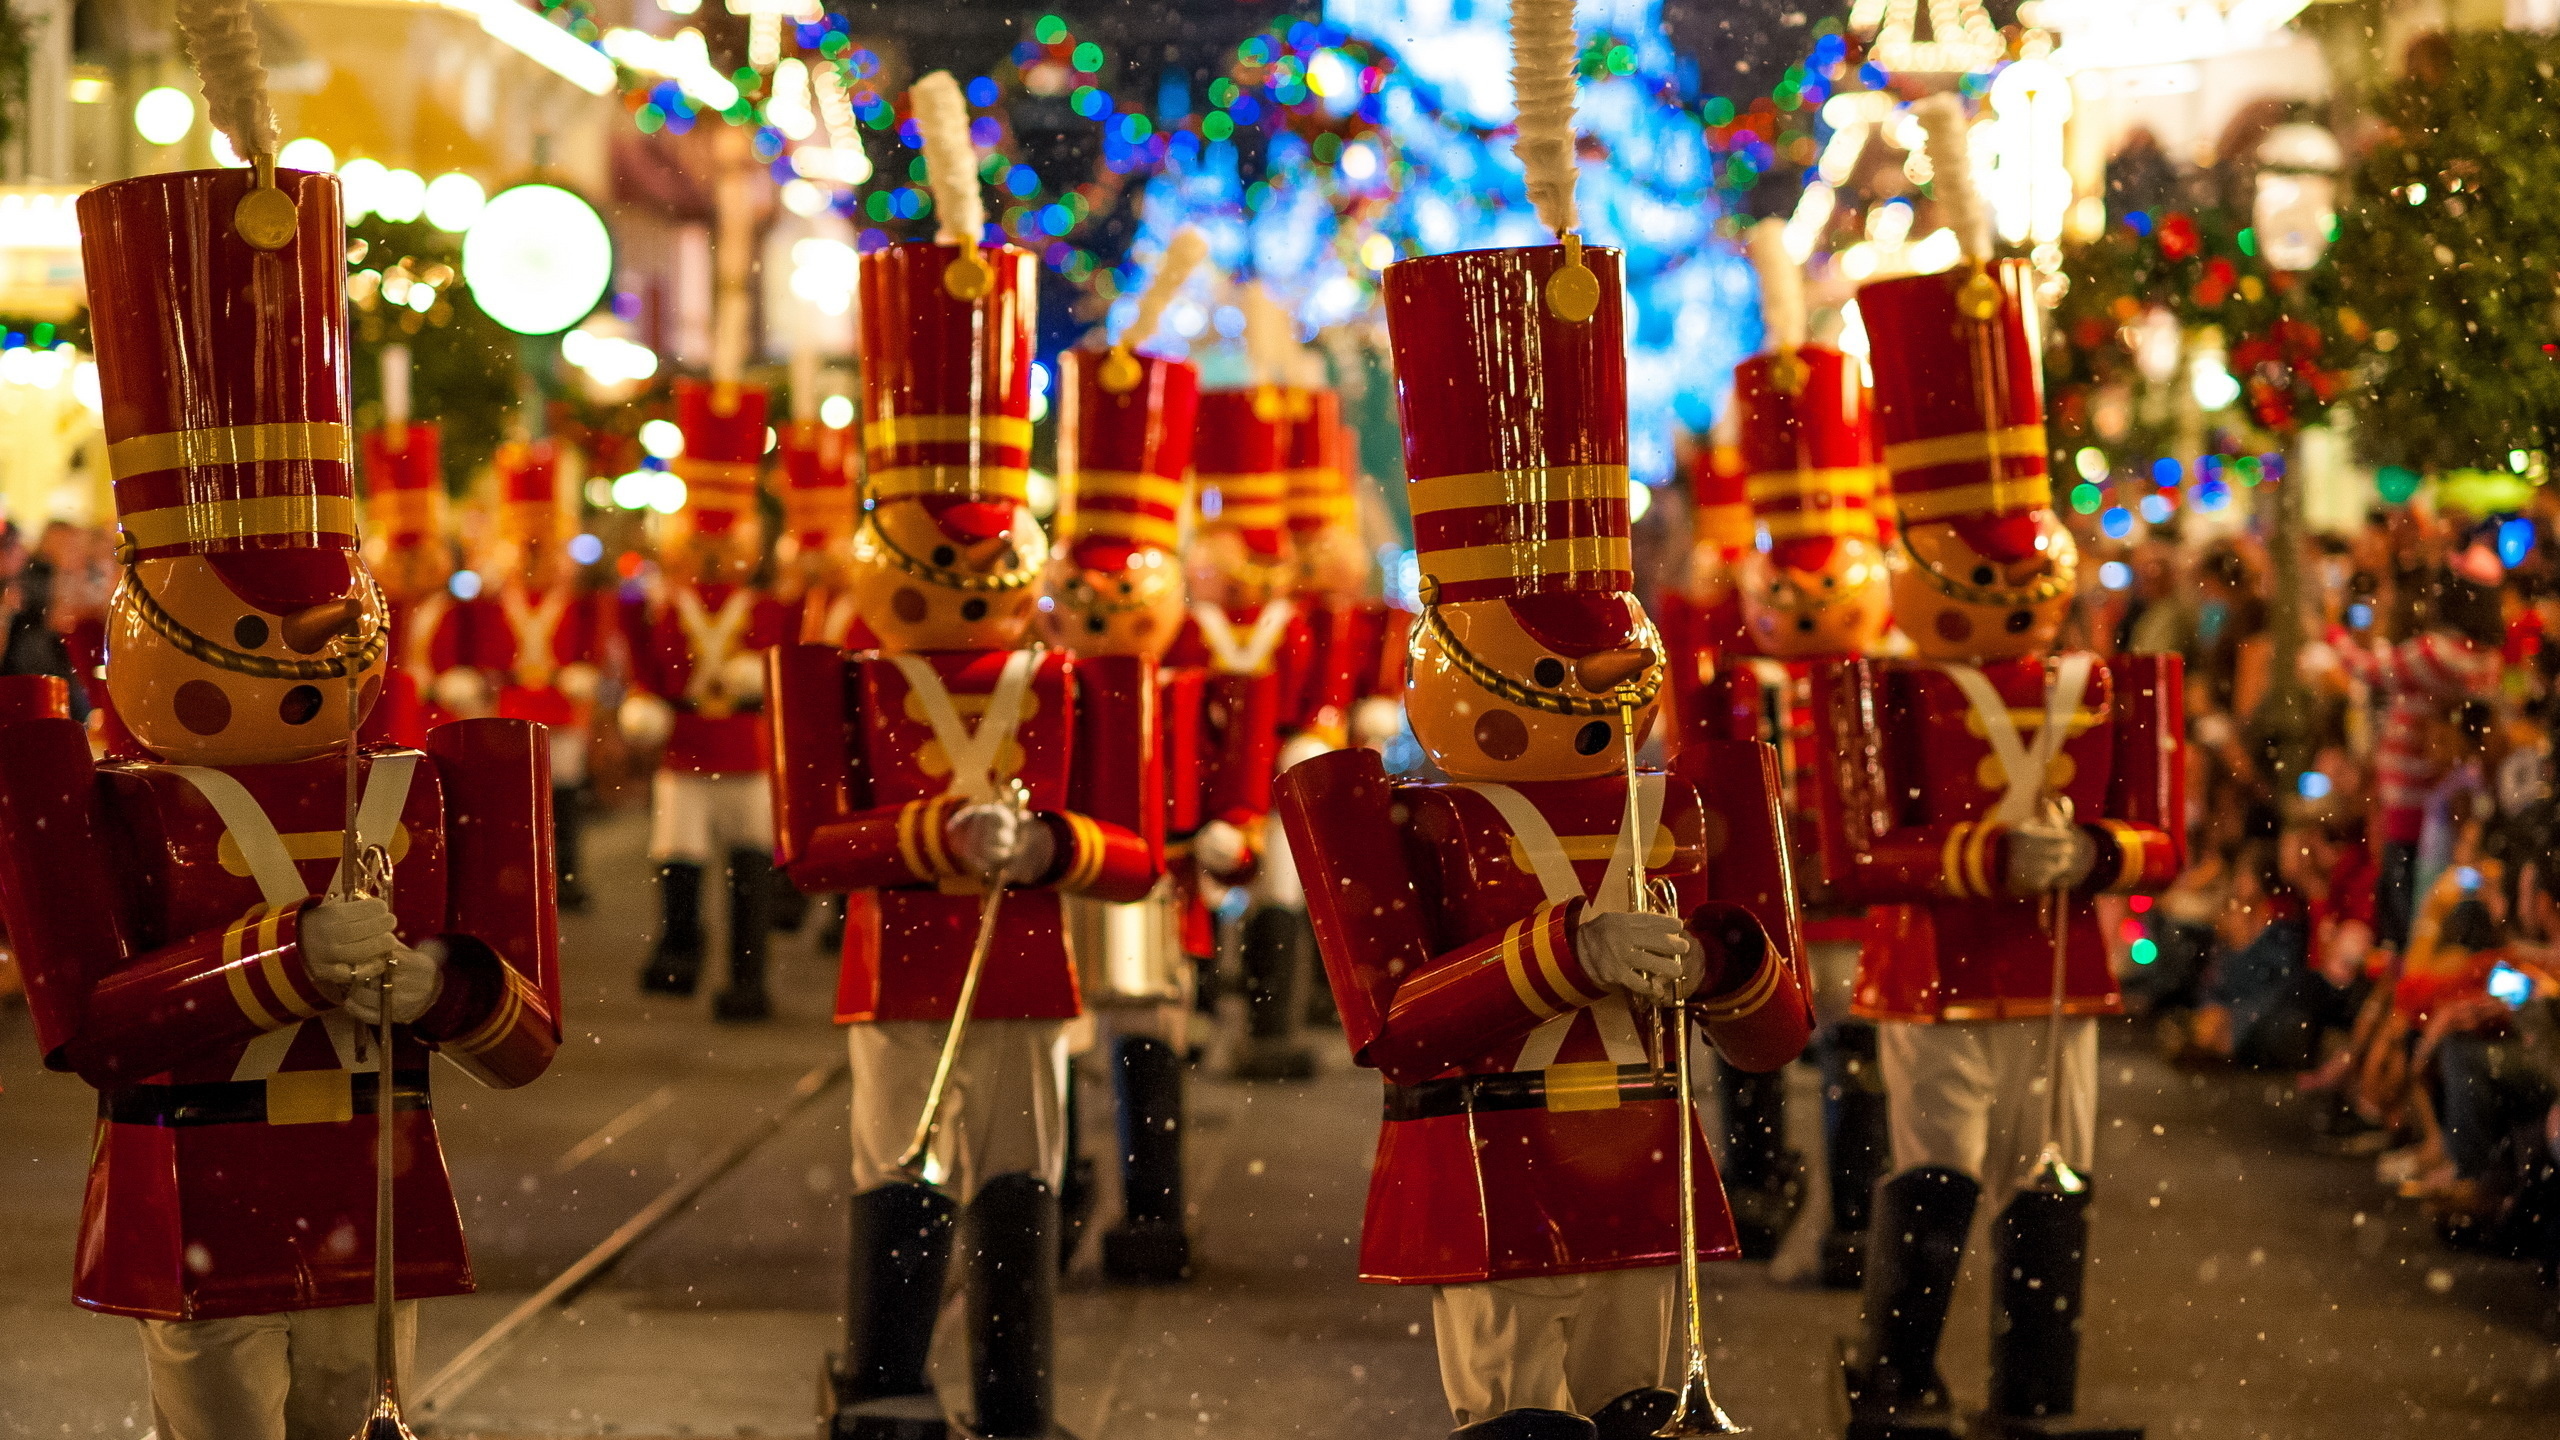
[203,675]
[1983,597]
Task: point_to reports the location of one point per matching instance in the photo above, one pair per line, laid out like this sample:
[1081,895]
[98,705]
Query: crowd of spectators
[2372,902]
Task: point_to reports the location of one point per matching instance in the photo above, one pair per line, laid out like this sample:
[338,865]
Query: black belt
[1514,1090]
[240,1102]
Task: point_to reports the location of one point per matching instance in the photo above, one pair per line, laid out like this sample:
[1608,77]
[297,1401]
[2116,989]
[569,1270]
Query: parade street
[2243,1285]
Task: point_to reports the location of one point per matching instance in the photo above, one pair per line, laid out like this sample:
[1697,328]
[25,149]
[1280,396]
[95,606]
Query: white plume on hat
[1542,58]
[950,158]
[1182,255]
[223,42]
[1951,184]
[1782,312]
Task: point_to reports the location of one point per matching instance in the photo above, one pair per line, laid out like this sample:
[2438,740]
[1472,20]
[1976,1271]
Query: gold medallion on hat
[1120,373]
[968,277]
[266,218]
[1979,297]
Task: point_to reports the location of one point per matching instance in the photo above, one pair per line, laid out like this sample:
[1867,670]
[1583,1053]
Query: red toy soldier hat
[1960,401]
[1318,480]
[946,375]
[1515,423]
[1236,455]
[1720,495]
[529,500]
[723,425]
[404,483]
[1125,429]
[222,367]
[817,484]
[1807,451]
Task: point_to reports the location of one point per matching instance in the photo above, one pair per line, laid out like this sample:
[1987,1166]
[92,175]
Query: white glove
[578,681]
[463,693]
[742,680]
[1300,748]
[988,837]
[417,977]
[1219,847]
[1376,720]
[646,720]
[1648,956]
[345,944]
[2048,857]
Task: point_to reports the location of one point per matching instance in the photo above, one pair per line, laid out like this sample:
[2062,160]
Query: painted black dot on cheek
[1591,739]
[945,556]
[2020,621]
[973,610]
[250,633]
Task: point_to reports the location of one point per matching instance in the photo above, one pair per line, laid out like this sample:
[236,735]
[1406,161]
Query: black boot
[831,925]
[788,906]
[1917,1246]
[1528,1425]
[2039,1256]
[675,966]
[751,882]
[1634,1415]
[901,1249]
[1009,1258]
[1273,964]
[568,831]
[1855,1145]
[1762,1177]
[1149,1245]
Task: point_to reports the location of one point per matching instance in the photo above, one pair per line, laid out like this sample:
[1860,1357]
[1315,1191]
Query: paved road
[2244,1287]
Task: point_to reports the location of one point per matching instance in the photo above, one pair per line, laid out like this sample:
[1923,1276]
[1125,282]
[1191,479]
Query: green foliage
[464,366]
[2457,279]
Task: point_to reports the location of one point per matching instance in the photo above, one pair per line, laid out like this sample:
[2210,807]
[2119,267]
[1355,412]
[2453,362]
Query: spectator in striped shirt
[2421,683]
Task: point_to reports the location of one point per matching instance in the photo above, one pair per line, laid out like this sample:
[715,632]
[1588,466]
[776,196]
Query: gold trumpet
[1696,1412]
[912,1162]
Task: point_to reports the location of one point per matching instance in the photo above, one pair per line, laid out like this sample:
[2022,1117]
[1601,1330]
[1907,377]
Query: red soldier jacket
[1256,665]
[1756,698]
[1356,653]
[682,644]
[428,636]
[1529,1128]
[1694,642]
[527,639]
[1919,792]
[157,910]
[874,755]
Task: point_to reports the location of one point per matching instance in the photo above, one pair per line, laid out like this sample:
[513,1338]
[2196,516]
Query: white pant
[1969,1096]
[1004,1112]
[1556,1342]
[299,1375]
[699,818]
[569,746]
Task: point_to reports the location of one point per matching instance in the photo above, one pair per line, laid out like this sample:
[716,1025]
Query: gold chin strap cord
[1529,697]
[932,574]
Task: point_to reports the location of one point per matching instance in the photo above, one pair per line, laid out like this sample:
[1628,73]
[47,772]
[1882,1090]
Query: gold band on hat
[1808,524]
[1993,497]
[2016,442]
[1544,484]
[982,481]
[1579,555]
[1139,484]
[1152,530]
[1840,482]
[207,521]
[230,445]
[405,512]
[1010,431]
[716,473]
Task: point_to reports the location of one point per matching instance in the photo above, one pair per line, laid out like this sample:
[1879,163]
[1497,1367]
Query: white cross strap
[1252,655]
[712,639]
[2025,768]
[972,752]
[1554,870]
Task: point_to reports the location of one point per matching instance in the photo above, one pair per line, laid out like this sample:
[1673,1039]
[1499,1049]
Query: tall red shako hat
[1806,451]
[1315,463]
[1720,497]
[817,484]
[946,374]
[404,500]
[1126,424]
[1512,386]
[531,509]
[723,424]
[1236,458]
[222,373]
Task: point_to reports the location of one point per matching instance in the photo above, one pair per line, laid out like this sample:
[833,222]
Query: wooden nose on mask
[309,629]
[1609,669]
